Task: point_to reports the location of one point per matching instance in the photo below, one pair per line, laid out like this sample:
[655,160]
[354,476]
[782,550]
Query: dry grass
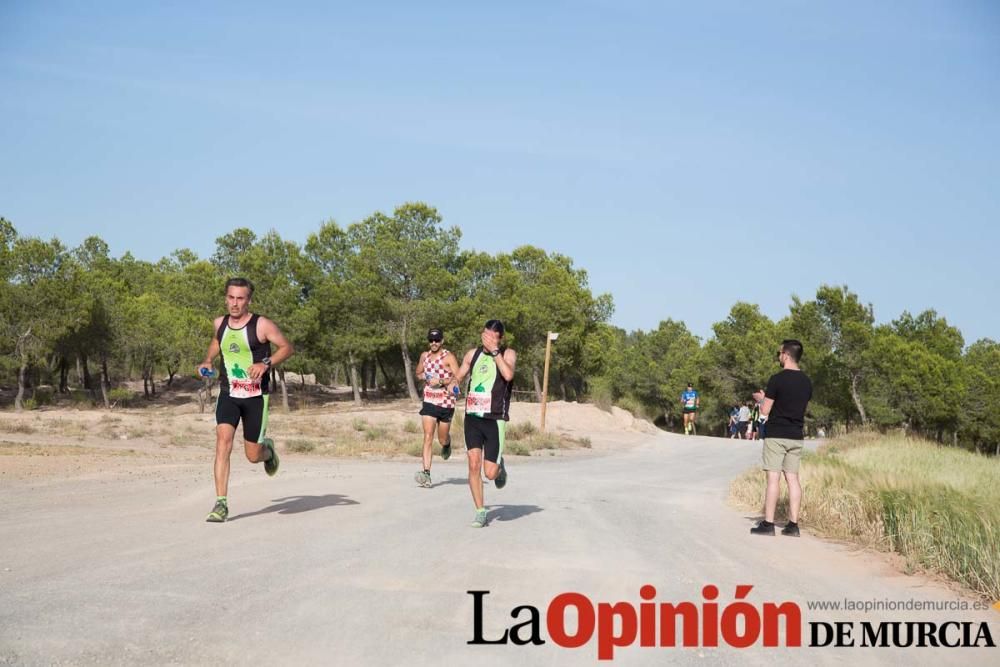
[9,448]
[523,438]
[300,445]
[936,506]
[20,427]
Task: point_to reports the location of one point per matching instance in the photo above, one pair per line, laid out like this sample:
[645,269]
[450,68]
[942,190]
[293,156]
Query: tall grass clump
[937,506]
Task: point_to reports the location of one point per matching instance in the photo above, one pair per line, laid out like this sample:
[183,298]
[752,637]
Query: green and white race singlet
[240,350]
[489,394]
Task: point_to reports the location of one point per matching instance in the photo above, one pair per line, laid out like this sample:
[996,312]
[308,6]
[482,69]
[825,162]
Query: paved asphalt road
[350,563]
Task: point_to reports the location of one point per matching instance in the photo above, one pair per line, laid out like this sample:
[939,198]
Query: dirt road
[350,563]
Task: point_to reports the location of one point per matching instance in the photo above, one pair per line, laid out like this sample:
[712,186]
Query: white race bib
[244,388]
[479,402]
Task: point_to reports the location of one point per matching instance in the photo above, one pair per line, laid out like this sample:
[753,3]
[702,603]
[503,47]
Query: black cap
[435,335]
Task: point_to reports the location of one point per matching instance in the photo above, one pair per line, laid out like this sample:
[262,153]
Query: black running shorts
[251,411]
[487,435]
[436,411]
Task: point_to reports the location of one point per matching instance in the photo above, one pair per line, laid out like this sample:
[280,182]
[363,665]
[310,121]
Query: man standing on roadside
[244,339]
[487,411]
[785,399]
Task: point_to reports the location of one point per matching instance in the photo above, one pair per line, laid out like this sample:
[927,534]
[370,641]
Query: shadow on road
[297,504]
[511,512]
[453,480]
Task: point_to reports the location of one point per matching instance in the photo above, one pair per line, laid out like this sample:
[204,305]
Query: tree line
[357,302]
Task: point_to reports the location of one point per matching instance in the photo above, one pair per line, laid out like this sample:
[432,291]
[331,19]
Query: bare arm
[465,367]
[268,332]
[419,372]
[765,410]
[213,348]
[451,363]
[506,363]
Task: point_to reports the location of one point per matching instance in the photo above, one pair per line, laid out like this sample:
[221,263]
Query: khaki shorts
[782,454]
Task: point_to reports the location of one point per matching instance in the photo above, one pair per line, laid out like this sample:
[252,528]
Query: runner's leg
[254,429]
[428,454]
[444,432]
[224,434]
[475,476]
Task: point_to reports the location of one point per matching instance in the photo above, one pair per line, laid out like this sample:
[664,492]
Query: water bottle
[207,372]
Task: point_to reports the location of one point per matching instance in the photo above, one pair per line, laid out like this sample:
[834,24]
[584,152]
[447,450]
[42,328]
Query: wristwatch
[266,361]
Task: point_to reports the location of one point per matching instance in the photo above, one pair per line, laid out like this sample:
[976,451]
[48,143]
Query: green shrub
[360,424]
[375,433]
[121,397]
[42,396]
[81,398]
[411,426]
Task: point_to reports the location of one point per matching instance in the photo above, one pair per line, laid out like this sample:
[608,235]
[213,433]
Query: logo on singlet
[234,348]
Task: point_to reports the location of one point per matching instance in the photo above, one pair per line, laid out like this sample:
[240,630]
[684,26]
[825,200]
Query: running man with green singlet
[690,402]
[487,411]
[437,368]
[244,340]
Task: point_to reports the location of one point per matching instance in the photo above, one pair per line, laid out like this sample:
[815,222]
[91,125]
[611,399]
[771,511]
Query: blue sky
[688,155]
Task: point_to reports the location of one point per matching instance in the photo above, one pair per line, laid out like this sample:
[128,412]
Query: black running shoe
[271,465]
[790,529]
[219,513]
[763,528]
[501,480]
[446,450]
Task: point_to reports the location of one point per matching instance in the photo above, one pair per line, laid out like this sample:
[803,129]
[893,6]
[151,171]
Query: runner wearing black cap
[437,368]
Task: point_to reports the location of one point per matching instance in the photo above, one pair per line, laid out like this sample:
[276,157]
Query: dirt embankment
[67,442]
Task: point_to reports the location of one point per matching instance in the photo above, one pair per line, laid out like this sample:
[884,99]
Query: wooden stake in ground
[545,375]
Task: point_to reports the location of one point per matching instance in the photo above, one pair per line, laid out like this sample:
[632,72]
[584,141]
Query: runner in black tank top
[487,410]
[244,341]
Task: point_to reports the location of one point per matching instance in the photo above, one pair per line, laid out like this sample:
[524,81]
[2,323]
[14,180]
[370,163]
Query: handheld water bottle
[207,372]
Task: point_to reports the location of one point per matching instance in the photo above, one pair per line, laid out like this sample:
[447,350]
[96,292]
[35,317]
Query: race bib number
[434,394]
[244,388]
[479,402]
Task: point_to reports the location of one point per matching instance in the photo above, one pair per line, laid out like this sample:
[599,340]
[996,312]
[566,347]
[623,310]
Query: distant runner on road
[487,411]
[690,402]
[244,339]
[437,368]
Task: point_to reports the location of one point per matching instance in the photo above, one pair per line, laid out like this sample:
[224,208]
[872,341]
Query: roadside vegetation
[81,328]
[935,506]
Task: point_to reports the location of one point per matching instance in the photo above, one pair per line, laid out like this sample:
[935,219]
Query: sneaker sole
[214,519]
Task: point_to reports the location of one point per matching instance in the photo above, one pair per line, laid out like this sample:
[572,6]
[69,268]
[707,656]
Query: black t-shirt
[791,391]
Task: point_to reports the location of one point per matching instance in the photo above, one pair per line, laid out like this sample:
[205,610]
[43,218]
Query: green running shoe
[423,478]
[219,513]
[480,520]
[501,480]
[446,450]
[271,465]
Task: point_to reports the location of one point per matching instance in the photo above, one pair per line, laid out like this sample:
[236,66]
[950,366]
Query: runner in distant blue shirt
[689,405]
